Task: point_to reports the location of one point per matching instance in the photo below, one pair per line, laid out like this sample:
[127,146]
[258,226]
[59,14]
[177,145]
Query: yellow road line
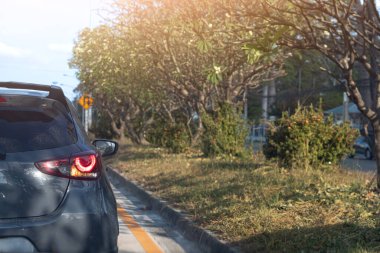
[141,235]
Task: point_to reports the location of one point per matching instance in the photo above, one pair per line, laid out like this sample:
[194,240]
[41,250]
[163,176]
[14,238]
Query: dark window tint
[23,129]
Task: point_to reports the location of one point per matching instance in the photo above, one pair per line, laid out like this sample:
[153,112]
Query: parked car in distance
[362,147]
[54,193]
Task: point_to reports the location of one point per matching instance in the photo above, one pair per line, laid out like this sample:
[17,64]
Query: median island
[259,206]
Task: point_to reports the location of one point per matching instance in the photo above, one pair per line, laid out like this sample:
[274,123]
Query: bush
[173,136]
[308,139]
[224,133]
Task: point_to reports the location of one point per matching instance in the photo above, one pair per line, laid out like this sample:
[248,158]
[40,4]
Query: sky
[37,37]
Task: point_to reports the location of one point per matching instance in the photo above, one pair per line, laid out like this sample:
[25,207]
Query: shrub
[224,133]
[308,139]
[173,136]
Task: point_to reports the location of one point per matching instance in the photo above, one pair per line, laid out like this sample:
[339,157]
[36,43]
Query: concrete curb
[205,239]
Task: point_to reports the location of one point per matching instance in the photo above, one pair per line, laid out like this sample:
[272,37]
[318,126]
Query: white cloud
[62,48]
[6,50]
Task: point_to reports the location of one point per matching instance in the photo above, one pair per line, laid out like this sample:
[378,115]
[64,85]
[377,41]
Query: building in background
[355,117]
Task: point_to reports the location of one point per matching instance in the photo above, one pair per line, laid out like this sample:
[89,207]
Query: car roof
[30,89]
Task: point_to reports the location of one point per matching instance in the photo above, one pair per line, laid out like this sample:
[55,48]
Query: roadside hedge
[308,139]
[224,133]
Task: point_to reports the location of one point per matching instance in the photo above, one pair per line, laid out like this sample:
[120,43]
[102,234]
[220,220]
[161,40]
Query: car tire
[368,154]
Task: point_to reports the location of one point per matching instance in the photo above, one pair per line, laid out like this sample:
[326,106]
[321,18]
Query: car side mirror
[106,147]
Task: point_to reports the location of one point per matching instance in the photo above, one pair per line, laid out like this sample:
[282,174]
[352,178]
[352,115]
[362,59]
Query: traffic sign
[86,101]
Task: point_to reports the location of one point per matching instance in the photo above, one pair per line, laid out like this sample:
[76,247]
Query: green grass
[262,208]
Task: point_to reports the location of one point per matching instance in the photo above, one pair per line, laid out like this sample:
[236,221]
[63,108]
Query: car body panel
[53,213]
[94,229]
[27,192]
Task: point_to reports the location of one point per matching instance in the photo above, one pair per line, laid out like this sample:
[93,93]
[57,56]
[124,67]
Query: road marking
[144,239]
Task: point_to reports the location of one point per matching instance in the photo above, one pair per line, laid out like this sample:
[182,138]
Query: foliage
[345,32]
[172,136]
[225,133]
[109,71]
[307,139]
[156,57]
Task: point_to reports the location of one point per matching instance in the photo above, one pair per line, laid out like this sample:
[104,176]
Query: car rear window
[40,125]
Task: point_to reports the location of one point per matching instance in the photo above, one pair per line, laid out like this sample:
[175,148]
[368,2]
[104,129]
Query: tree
[120,86]
[305,83]
[345,31]
[173,60]
[192,50]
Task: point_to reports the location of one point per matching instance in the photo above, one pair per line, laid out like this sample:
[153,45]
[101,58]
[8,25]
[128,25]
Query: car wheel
[368,154]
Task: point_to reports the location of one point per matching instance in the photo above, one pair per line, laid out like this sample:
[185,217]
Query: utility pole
[84,117]
[299,84]
[86,102]
[245,101]
[346,116]
[271,94]
[264,102]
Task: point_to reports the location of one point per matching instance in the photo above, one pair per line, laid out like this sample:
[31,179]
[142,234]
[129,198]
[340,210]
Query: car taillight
[84,166]
[85,163]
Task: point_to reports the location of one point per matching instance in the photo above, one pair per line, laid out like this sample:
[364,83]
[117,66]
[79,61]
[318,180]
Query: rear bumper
[83,223]
[67,233]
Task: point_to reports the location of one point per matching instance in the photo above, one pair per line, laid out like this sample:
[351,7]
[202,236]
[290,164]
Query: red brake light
[85,163]
[3,100]
[83,166]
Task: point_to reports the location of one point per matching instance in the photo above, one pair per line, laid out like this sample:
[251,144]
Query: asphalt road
[143,230]
[359,163]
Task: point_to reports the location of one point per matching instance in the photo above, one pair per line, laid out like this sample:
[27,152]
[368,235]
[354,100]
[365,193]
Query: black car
[54,193]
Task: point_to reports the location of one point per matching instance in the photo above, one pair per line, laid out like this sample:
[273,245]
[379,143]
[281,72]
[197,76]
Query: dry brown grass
[261,207]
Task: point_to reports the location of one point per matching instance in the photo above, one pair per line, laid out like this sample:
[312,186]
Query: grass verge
[260,207]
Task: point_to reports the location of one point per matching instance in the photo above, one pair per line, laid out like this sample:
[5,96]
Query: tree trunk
[122,139]
[142,130]
[143,140]
[198,132]
[135,138]
[121,132]
[376,151]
